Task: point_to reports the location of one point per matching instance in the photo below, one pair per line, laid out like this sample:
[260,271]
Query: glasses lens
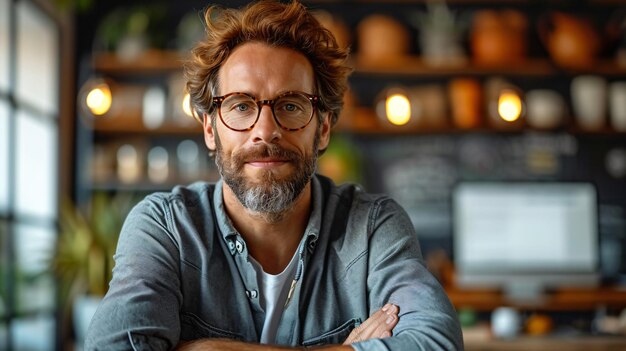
[293,111]
[239,111]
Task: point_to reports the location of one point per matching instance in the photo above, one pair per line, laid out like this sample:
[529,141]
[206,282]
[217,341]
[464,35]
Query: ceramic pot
[589,101]
[466,97]
[546,109]
[499,37]
[428,105]
[382,39]
[571,42]
[441,48]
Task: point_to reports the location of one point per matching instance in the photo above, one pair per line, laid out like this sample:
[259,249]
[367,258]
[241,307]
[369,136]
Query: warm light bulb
[398,109]
[186,105]
[509,106]
[99,99]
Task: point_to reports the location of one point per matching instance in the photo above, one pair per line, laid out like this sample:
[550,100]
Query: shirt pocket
[193,327]
[335,336]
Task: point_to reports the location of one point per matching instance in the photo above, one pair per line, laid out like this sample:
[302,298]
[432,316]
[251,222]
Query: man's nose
[266,129]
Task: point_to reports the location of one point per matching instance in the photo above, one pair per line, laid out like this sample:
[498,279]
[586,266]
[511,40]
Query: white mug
[158,164]
[589,100]
[545,108]
[617,105]
[505,322]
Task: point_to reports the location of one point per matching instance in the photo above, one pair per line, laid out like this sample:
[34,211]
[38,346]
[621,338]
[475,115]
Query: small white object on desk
[505,322]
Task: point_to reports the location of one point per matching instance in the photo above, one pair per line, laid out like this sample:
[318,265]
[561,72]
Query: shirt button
[239,246]
[252,294]
[231,247]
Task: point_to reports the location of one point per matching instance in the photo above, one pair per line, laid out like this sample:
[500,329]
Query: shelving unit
[411,67]
[102,137]
[359,120]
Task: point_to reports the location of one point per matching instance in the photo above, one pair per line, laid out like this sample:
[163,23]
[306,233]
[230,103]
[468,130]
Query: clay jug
[499,37]
[572,42]
[382,40]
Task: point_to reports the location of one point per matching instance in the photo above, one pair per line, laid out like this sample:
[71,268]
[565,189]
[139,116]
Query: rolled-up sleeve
[397,274]
[141,309]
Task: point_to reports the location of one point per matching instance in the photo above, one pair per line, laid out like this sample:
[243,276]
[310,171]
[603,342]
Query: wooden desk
[587,343]
[572,299]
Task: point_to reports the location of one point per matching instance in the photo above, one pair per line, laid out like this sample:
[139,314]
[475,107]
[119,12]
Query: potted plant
[83,259]
[440,33]
[131,31]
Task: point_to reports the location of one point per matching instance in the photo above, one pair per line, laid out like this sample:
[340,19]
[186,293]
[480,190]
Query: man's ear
[209,133]
[325,131]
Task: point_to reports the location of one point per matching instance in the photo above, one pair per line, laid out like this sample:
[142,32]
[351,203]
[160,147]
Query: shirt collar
[223,222]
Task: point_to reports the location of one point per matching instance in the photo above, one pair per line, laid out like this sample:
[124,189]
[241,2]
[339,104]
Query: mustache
[265,151]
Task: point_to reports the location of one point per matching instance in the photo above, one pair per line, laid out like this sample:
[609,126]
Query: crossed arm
[379,325]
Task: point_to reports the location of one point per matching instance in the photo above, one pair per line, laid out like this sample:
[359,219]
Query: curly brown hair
[275,24]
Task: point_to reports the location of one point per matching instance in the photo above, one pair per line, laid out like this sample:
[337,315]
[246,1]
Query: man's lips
[270,162]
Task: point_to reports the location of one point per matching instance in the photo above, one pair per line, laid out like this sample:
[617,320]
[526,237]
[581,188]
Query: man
[272,254]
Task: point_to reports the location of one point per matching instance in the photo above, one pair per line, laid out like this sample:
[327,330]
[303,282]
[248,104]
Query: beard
[268,195]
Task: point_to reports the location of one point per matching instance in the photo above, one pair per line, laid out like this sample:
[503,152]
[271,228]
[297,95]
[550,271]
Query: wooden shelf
[156,61]
[131,123]
[363,120]
[413,66]
[570,299]
[549,343]
[150,62]
[141,129]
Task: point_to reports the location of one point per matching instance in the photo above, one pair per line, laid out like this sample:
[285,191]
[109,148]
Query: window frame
[61,123]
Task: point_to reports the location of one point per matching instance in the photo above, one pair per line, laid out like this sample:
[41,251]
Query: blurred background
[500,126]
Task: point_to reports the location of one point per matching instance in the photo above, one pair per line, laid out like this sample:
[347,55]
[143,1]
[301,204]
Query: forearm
[229,345]
[379,325]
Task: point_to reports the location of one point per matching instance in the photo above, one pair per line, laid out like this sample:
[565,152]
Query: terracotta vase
[499,37]
[382,40]
[571,42]
[465,95]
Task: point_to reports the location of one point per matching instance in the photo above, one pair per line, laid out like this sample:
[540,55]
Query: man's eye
[290,107]
[241,107]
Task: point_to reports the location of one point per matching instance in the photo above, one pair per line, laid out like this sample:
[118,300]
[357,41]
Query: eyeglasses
[240,111]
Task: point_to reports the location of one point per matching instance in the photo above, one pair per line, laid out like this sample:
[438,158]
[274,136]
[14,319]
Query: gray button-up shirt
[183,272]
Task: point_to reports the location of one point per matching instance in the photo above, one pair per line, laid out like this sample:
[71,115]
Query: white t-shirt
[273,291]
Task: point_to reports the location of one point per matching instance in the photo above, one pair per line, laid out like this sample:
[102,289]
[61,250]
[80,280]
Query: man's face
[267,167]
